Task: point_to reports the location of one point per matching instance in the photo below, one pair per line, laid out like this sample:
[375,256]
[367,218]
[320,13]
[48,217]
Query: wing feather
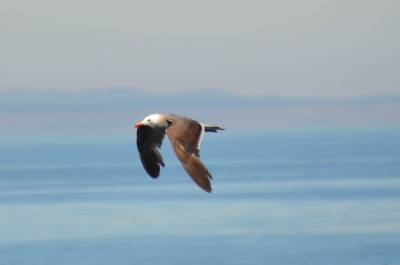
[193,166]
[149,141]
[185,136]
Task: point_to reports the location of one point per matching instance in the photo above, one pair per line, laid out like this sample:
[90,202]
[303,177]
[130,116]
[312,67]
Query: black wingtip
[153,172]
[154,176]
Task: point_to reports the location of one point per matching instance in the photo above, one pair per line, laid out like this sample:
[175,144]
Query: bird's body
[185,135]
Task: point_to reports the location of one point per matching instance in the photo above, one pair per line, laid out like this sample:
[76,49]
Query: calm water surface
[290,198]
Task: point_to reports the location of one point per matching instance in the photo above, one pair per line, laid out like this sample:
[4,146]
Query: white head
[153,120]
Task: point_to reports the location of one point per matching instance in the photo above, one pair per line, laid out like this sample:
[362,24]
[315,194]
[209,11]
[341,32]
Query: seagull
[185,135]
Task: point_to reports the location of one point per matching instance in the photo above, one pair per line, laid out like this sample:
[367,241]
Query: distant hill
[93,114]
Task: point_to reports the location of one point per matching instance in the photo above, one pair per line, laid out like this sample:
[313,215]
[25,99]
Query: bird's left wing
[185,136]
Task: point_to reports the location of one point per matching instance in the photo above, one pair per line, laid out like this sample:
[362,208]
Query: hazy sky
[276,48]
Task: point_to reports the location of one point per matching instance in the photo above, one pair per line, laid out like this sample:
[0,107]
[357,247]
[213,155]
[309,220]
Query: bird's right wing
[149,141]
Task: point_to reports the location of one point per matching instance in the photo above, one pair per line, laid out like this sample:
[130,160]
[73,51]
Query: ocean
[306,198]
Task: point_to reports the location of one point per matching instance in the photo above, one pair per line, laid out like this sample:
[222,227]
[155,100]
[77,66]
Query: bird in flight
[185,135]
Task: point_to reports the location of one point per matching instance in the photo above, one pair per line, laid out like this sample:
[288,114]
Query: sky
[91,67]
[311,48]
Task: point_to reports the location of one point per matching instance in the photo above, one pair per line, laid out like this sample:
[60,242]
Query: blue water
[278,198]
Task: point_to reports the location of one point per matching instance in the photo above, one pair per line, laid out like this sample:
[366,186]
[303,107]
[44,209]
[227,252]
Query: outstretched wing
[149,141]
[185,136]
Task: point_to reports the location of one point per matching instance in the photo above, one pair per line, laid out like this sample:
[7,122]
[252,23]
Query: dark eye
[148,120]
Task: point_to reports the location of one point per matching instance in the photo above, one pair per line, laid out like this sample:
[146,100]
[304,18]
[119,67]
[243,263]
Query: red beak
[137,125]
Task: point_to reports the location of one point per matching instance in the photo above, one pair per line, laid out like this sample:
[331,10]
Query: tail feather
[212,128]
